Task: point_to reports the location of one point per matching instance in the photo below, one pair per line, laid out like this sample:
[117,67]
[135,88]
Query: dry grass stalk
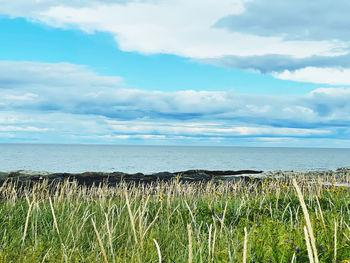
[223,218]
[158,251]
[143,212]
[307,219]
[27,221]
[213,245]
[100,242]
[109,236]
[132,220]
[319,208]
[190,252]
[293,258]
[191,214]
[209,240]
[46,254]
[54,217]
[308,246]
[245,245]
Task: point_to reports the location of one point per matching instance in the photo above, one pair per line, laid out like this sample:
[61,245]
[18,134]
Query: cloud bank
[278,63]
[267,36]
[292,20]
[65,102]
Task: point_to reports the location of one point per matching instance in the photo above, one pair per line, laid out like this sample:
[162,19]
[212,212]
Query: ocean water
[150,159]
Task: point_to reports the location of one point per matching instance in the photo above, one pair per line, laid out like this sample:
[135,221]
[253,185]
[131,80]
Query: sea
[152,159]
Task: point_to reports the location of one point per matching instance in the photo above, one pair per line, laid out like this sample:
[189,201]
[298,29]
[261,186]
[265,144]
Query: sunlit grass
[176,222]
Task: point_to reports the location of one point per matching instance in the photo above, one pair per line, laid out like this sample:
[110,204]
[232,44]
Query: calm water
[148,159]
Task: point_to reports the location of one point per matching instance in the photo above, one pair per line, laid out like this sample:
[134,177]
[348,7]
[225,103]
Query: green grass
[129,222]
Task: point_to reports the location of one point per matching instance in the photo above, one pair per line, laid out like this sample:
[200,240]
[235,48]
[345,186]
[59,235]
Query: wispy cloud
[70,103]
[333,76]
[19,128]
[273,63]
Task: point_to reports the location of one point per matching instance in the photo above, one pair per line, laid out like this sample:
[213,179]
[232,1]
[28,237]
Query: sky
[175,72]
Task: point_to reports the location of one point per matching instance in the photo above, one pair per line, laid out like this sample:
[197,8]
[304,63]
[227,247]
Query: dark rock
[221,173]
[96,178]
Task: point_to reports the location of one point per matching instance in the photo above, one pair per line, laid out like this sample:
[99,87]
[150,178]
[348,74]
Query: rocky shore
[90,178]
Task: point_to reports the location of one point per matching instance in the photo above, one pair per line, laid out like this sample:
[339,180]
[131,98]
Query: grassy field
[256,221]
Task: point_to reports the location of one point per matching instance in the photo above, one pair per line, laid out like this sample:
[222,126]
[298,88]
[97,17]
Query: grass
[270,221]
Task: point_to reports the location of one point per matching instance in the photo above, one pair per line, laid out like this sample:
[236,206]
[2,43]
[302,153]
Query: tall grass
[276,220]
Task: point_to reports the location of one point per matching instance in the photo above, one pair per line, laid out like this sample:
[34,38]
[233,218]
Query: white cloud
[76,90]
[23,97]
[333,76]
[332,92]
[28,8]
[279,140]
[8,118]
[18,74]
[83,106]
[279,131]
[133,136]
[19,128]
[293,19]
[232,33]
[206,129]
[180,27]
[184,28]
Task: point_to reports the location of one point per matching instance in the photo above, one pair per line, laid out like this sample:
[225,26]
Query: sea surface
[150,159]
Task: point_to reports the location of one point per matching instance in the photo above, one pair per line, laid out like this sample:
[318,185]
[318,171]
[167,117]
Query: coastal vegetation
[292,219]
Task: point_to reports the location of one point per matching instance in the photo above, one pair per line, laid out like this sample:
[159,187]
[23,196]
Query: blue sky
[171,72]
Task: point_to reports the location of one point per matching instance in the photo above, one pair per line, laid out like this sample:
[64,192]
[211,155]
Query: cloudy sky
[175,72]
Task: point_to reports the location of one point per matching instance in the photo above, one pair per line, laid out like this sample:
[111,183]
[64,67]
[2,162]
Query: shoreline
[113,178]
